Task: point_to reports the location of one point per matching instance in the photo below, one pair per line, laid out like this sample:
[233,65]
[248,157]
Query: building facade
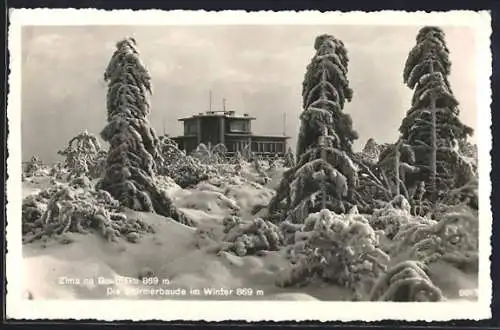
[234,131]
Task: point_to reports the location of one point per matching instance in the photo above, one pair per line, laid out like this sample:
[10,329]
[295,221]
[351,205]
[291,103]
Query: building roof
[238,135]
[258,135]
[225,114]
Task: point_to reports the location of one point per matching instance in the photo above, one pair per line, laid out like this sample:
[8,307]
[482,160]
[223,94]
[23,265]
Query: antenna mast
[210,100]
[224,104]
[284,123]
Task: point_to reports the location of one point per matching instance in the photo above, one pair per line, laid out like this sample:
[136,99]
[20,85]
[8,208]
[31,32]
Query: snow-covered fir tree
[432,125]
[324,175]
[133,154]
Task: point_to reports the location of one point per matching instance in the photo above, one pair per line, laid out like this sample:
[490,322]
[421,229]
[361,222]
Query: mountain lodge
[234,131]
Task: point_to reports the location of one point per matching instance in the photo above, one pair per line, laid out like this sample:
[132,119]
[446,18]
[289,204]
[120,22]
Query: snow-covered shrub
[188,173]
[166,183]
[238,161]
[405,282]
[237,158]
[209,155]
[223,170]
[219,152]
[289,158]
[81,182]
[390,217]
[58,171]
[274,162]
[469,151]
[250,237]
[453,238]
[185,170]
[466,195]
[83,156]
[396,163]
[63,208]
[372,188]
[203,153]
[341,249]
[257,165]
[230,222]
[34,167]
[247,154]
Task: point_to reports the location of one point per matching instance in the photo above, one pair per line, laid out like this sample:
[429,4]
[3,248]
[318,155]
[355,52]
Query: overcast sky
[258,69]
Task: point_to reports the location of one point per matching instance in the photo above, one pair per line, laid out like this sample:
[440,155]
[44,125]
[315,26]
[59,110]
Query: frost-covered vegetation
[359,251]
[134,152]
[251,237]
[372,222]
[324,175]
[76,207]
[34,167]
[341,249]
[186,170]
[84,156]
[432,127]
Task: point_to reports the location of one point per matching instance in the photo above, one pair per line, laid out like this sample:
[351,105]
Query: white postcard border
[136,310]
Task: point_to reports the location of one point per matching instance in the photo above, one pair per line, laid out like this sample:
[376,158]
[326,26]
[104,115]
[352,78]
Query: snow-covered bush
[83,156]
[63,208]
[373,187]
[396,162]
[390,217]
[275,162]
[247,154]
[257,165]
[34,167]
[250,237]
[186,171]
[58,171]
[466,195]
[341,249]
[289,160]
[453,238]
[405,282]
[468,151]
[209,155]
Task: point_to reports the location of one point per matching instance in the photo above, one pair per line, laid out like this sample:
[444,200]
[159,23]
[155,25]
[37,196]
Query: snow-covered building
[233,130]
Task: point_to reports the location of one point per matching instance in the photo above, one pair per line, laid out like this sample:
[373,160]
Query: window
[239,126]
[190,128]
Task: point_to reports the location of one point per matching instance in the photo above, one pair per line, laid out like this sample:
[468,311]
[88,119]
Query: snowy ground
[175,256]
